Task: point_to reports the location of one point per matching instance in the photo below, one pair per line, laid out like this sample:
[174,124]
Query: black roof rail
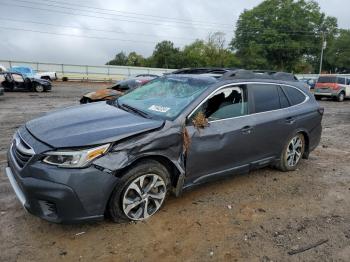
[258,74]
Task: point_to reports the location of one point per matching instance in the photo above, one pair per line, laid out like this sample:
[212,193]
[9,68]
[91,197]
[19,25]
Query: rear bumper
[315,138]
[327,92]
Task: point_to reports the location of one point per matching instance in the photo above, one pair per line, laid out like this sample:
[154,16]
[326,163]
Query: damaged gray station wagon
[121,158]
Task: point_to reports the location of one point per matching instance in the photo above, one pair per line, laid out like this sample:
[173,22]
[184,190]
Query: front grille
[21,151]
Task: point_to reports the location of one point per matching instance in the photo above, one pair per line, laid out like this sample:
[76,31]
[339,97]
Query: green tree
[337,55]
[135,59]
[120,59]
[194,55]
[165,55]
[278,34]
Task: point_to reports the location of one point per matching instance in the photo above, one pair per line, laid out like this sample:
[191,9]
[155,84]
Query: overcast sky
[56,27]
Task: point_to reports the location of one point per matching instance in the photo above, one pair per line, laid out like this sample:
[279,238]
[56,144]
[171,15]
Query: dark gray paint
[91,124]
[222,148]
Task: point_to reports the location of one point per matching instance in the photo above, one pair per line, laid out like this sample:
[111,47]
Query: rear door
[274,121]
[306,114]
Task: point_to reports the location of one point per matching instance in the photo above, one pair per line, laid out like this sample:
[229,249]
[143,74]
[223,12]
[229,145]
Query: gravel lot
[260,216]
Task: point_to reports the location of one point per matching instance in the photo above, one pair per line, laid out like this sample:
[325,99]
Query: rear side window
[327,79]
[283,98]
[294,95]
[266,97]
[341,80]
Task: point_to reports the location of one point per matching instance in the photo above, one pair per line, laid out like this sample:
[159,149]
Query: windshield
[166,97]
[22,70]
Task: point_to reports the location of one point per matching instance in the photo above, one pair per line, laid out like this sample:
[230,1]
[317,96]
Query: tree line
[285,35]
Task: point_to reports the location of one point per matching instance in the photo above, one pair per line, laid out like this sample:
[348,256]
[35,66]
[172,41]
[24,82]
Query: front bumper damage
[60,195]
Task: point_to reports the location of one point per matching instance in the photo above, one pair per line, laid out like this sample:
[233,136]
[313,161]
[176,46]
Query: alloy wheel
[295,151]
[144,196]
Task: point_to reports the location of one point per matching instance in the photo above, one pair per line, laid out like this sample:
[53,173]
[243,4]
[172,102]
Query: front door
[18,81]
[223,145]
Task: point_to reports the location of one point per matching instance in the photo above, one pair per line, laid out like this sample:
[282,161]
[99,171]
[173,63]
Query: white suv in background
[332,86]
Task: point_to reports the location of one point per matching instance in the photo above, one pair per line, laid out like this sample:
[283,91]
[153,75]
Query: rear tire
[140,193]
[341,97]
[318,97]
[292,153]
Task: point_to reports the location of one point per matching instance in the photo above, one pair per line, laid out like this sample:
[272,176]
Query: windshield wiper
[137,111]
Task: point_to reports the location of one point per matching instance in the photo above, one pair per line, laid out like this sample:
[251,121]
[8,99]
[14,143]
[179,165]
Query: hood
[40,81]
[87,125]
[103,93]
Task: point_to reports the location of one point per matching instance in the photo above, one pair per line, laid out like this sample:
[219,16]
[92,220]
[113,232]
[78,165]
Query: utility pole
[324,45]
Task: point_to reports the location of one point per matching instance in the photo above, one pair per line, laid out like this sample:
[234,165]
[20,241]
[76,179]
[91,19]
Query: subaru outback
[123,157]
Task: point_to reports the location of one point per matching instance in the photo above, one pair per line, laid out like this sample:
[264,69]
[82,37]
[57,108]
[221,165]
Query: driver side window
[226,103]
[18,78]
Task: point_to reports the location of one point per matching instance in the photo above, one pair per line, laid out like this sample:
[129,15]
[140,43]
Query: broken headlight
[74,159]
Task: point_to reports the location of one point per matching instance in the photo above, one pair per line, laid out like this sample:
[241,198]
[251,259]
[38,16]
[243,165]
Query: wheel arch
[305,133]
[174,169]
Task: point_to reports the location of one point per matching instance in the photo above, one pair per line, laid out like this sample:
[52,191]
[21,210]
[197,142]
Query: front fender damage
[170,143]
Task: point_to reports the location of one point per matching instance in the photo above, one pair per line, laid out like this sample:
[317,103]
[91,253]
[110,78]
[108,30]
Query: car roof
[236,76]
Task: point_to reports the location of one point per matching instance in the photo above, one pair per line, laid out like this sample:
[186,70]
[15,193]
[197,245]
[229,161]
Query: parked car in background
[116,90]
[309,81]
[2,68]
[332,86]
[50,76]
[13,81]
[147,75]
[29,72]
[122,157]
[25,71]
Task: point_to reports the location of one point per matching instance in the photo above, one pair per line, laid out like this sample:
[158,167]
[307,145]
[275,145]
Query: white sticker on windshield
[161,109]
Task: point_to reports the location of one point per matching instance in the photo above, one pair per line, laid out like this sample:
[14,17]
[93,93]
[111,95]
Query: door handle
[290,120]
[246,130]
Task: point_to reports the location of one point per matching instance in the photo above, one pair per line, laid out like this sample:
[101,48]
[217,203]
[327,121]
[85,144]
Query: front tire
[141,192]
[39,88]
[292,153]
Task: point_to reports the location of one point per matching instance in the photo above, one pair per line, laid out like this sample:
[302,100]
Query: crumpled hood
[90,124]
[103,93]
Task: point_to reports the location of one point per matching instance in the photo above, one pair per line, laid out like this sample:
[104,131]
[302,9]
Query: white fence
[101,73]
[87,72]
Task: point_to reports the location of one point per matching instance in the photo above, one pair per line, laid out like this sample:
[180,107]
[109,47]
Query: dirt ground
[260,216]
